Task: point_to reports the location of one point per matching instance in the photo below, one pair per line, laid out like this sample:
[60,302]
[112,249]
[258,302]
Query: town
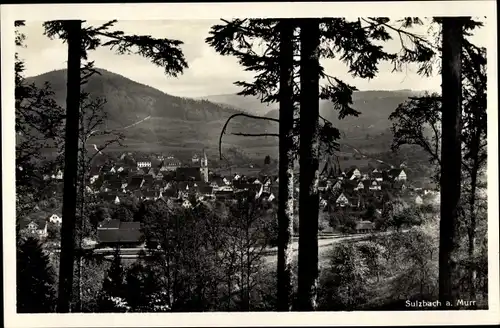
[249,164]
[163,178]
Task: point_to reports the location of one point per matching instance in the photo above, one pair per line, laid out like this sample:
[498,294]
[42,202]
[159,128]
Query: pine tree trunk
[285,199]
[309,164]
[450,153]
[74,30]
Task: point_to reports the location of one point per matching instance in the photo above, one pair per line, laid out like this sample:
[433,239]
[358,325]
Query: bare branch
[256,134]
[244,115]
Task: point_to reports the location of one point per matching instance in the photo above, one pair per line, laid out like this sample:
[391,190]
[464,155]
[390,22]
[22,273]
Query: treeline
[215,259]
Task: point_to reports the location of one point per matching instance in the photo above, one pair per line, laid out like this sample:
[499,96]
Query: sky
[209,73]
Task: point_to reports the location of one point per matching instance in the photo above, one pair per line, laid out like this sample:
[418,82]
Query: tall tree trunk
[309,164]
[285,199]
[450,152]
[74,30]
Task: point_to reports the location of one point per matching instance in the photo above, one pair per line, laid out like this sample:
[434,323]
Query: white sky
[209,73]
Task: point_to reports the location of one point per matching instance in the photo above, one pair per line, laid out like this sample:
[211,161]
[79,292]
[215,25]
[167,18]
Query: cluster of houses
[38,224]
[169,180]
[164,178]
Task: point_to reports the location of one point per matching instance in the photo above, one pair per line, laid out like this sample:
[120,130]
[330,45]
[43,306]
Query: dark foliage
[35,278]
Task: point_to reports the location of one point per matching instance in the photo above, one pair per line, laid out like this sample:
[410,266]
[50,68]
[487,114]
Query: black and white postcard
[216,164]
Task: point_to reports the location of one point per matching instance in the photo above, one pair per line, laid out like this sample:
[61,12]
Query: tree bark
[450,153]
[285,199]
[74,30]
[309,174]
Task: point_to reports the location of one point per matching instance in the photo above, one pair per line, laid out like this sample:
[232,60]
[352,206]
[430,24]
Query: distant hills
[375,106]
[183,125]
[180,125]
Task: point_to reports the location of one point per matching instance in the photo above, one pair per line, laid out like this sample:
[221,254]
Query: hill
[369,131]
[152,120]
[247,104]
[180,125]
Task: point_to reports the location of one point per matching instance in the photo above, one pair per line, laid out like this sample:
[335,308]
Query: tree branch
[244,115]
[256,134]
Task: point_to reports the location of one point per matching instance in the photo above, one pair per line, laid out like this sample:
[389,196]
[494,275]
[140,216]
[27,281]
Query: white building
[143,163]
[54,218]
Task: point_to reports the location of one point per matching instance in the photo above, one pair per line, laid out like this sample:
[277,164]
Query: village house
[56,219]
[36,226]
[254,189]
[337,186]
[323,203]
[216,182]
[152,172]
[359,186]
[94,174]
[116,169]
[186,204]
[254,181]
[346,199]
[115,233]
[206,192]
[378,176]
[109,224]
[151,195]
[111,198]
[144,163]
[135,183]
[399,185]
[170,164]
[224,195]
[158,185]
[374,185]
[353,173]
[267,184]
[323,185]
[114,185]
[58,175]
[342,200]
[364,227]
[188,173]
[397,174]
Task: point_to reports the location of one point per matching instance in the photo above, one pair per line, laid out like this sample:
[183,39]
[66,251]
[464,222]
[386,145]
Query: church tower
[204,167]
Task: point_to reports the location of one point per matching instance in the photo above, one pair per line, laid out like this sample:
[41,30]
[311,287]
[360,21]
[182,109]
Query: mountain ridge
[184,124]
[178,123]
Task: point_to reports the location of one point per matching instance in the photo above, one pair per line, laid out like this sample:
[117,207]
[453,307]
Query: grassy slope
[183,126]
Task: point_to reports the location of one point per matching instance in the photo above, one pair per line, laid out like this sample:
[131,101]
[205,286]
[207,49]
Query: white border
[43,12]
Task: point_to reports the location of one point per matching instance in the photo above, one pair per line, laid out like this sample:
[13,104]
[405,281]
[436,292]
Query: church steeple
[204,160]
[204,166]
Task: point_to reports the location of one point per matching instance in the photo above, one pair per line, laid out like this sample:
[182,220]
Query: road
[138,122]
[120,129]
[323,245]
[269,254]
